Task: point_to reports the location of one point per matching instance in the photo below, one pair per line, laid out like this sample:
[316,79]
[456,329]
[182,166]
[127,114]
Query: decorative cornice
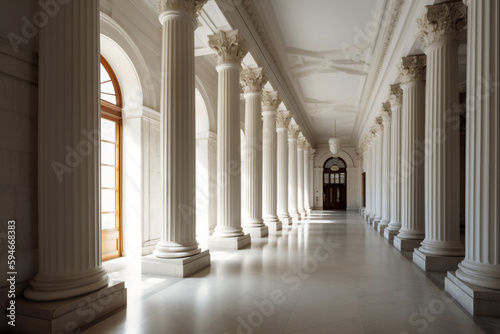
[270,101]
[412,68]
[293,131]
[442,23]
[395,95]
[228,47]
[283,119]
[252,80]
[193,7]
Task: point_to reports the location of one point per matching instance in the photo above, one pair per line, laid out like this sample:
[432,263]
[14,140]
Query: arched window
[334,184]
[111,121]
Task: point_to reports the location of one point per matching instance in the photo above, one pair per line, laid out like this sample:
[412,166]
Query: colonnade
[422,118]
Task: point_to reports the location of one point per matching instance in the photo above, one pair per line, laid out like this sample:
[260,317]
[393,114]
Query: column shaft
[282,122]
[178,138]
[386,168]
[69,226]
[307,180]
[292,172]
[300,176]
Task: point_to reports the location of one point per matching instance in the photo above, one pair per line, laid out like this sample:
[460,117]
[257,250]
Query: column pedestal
[406,245]
[72,314]
[233,243]
[179,267]
[428,262]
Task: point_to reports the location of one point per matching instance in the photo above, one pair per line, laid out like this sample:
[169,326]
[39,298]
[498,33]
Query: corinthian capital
[228,47]
[386,112]
[412,68]
[395,95]
[191,6]
[442,23]
[301,142]
[293,132]
[252,80]
[283,119]
[270,101]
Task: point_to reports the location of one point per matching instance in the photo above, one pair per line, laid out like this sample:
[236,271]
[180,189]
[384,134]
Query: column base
[436,263]
[405,245]
[178,267]
[233,243]
[382,226]
[72,314]
[295,217]
[476,300]
[274,226]
[285,221]
[257,232]
[371,220]
[390,234]
[376,222]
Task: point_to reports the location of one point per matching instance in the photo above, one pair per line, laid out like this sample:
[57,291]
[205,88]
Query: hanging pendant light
[334,142]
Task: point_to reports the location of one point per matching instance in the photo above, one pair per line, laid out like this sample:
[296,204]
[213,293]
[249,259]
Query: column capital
[252,80]
[270,101]
[312,153]
[395,95]
[283,119]
[412,69]
[192,7]
[379,126]
[442,23]
[386,112]
[228,46]
[293,132]
[301,143]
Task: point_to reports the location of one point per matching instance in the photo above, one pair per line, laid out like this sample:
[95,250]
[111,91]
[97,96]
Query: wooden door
[334,185]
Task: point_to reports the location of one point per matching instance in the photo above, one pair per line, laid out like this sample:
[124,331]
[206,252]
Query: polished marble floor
[331,274]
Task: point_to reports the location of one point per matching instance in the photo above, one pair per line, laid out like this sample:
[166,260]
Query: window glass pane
[108,220]
[107,153]
[108,177]
[340,163]
[337,178]
[108,130]
[338,195]
[108,87]
[342,178]
[329,163]
[326,178]
[332,178]
[108,200]
[104,74]
[109,98]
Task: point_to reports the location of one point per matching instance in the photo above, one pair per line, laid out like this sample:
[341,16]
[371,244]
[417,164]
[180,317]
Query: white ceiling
[318,37]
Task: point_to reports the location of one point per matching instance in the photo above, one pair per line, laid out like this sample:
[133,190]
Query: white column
[178,146]
[309,165]
[69,226]
[480,270]
[270,104]
[252,80]
[282,121]
[307,155]
[230,52]
[378,170]
[441,249]
[301,145]
[394,177]
[373,172]
[293,134]
[386,167]
[366,163]
[412,77]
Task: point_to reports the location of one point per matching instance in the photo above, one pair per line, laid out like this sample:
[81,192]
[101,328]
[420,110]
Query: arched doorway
[111,124]
[334,184]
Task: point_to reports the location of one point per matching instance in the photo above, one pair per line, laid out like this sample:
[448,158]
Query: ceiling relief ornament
[412,68]
[386,112]
[228,47]
[252,80]
[193,7]
[293,131]
[283,119]
[395,95]
[270,100]
[442,23]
